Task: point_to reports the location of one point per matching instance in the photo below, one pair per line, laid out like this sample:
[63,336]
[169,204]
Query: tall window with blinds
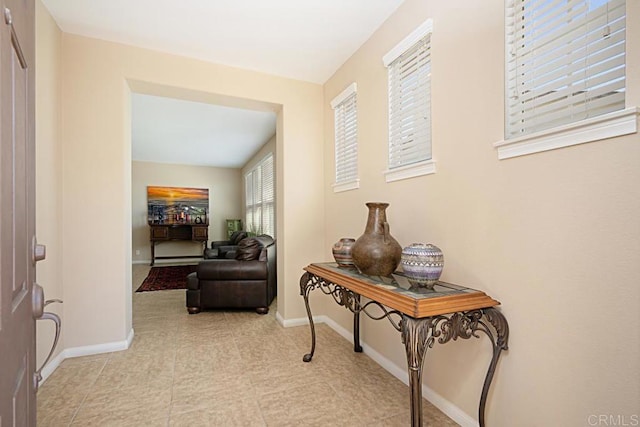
[409,71]
[260,198]
[345,109]
[565,62]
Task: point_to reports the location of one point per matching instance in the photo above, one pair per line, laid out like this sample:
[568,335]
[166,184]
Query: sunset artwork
[177,205]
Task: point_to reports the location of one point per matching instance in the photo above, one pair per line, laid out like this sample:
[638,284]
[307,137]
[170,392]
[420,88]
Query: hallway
[231,368]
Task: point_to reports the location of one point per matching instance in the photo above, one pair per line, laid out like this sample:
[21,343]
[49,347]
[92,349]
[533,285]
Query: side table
[422,316]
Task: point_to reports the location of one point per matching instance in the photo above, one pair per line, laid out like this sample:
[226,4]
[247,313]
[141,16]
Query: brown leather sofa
[248,281]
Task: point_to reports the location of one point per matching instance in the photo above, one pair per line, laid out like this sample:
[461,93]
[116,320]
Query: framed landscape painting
[177,205]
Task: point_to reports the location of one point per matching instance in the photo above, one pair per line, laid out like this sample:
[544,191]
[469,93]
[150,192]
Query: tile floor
[223,368]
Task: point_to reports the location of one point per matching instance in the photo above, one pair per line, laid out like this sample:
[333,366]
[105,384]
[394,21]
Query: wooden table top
[397,293]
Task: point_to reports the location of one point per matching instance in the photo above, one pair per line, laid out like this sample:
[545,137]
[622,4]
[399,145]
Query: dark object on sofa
[224,249]
[248,281]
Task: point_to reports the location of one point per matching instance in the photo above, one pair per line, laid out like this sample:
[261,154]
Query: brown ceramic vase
[376,252]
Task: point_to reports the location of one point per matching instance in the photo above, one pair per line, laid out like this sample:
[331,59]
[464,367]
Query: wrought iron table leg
[499,343]
[305,287]
[414,336]
[356,327]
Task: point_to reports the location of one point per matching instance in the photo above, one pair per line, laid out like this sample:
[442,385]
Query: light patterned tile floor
[223,368]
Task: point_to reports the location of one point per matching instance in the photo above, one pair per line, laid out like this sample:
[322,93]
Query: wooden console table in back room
[422,316]
[167,232]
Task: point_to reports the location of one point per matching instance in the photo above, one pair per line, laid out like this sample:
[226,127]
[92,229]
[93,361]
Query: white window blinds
[409,69]
[268,197]
[346,138]
[565,62]
[260,198]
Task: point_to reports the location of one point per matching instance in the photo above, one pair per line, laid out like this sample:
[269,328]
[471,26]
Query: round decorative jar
[376,252]
[342,252]
[422,264]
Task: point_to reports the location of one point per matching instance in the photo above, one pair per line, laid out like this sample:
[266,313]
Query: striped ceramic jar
[422,264]
[342,252]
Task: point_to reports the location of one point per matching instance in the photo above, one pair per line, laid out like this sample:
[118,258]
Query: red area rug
[163,278]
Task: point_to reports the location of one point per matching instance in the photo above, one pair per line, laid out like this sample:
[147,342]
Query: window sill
[418,169]
[610,125]
[346,186]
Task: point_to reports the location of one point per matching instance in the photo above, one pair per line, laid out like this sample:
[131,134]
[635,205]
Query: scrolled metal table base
[418,334]
[347,299]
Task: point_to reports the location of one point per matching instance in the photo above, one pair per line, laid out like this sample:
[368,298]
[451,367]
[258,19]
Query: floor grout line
[75,413]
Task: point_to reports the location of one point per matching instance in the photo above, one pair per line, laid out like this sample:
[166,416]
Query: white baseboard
[281,320]
[53,364]
[290,323]
[450,410]
[447,407]
[88,350]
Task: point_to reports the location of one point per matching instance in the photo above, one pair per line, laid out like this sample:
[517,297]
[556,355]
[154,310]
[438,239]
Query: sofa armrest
[192,281]
[231,269]
[218,243]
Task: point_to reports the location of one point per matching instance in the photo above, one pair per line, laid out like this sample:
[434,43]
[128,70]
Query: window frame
[257,203]
[425,166]
[609,125]
[342,144]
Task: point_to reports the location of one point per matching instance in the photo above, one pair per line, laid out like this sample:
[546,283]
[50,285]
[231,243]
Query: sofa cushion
[248,249]
[237,236]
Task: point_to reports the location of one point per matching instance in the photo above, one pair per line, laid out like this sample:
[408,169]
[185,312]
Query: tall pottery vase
[376,252]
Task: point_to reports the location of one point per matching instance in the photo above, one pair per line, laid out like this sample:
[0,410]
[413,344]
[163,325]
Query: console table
[422,316]
[167,232]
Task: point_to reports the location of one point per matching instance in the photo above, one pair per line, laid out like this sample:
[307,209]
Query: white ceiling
[299,39]
[165,130]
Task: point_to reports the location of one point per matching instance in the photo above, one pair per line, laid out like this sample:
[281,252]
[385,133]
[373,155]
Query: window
[346,139]
[260,198]
[409,69]
[565,74]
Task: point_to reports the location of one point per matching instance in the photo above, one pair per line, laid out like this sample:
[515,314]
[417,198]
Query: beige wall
[96,180]
[225,201]
[554,236]
[48,171]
